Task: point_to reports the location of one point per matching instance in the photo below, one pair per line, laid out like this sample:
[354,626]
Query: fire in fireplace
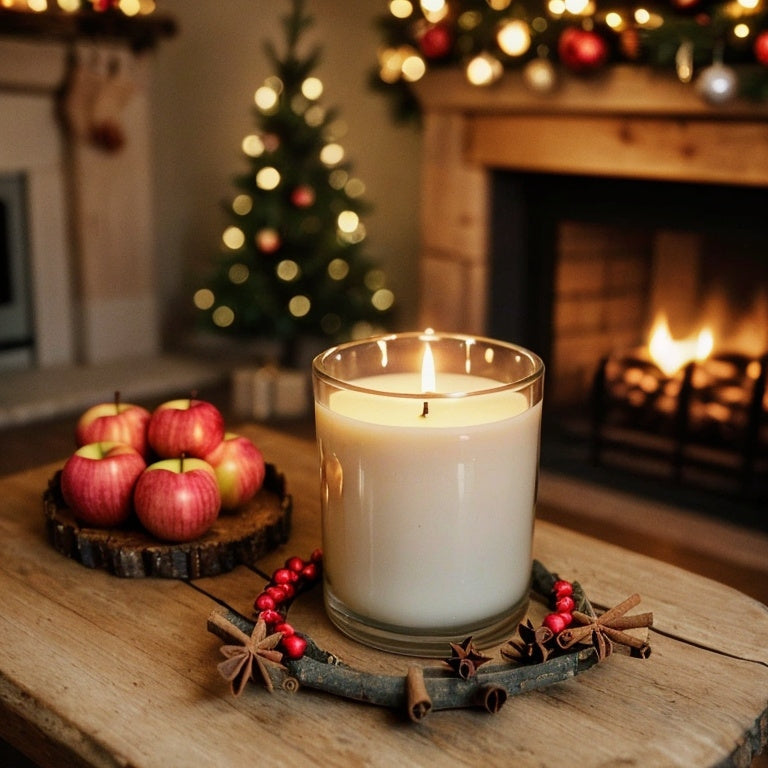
[649,302]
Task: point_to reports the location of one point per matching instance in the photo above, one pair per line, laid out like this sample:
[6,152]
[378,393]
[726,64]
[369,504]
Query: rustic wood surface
[237,537]
[97,670]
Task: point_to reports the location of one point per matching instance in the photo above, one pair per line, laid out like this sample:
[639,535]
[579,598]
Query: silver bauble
[540,75]
[717,84]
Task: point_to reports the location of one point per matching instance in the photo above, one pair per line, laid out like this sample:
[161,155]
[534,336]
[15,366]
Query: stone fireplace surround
[627,122]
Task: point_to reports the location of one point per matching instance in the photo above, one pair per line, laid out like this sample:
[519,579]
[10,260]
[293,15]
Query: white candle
[428,518]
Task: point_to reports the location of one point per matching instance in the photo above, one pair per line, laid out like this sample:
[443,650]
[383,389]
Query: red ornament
[436,41]
[582,50]
[761,47]
[303,196]
[268,240]
[686,5]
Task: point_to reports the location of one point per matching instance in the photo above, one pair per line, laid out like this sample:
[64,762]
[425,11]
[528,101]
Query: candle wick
[425,410]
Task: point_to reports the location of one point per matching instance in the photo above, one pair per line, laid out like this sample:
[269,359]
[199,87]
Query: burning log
[711,412]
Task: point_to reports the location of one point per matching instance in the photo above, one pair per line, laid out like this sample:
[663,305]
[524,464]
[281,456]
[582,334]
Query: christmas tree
[292,263]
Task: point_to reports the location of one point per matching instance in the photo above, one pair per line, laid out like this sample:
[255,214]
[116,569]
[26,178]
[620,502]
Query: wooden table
[101,671]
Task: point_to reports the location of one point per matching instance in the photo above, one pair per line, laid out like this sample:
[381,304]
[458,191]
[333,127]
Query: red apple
[114,422]
[239,467]
[187,426]
[177,499]
[97,482]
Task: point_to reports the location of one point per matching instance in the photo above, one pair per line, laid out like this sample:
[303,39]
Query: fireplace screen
[649,303]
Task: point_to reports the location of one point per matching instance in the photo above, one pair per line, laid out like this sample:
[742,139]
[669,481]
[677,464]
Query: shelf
[139,32]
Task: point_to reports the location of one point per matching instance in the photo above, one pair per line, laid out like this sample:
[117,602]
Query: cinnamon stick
[419,702]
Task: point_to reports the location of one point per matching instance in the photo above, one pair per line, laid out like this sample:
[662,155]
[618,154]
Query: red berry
[567,618]
[294,646]
[289,589]
[557,622]
[562,588]
[270,617]
[277,593]
[565,604]
[284,576]
[295,564]
[265,602]
[316,556]
[309,572]
[285,628]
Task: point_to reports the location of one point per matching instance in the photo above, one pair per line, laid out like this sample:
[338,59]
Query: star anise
[465,659]
[259,649]
[605,630]
[535,646]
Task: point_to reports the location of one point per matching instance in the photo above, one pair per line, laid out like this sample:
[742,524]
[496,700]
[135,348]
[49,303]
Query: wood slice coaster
[236,538]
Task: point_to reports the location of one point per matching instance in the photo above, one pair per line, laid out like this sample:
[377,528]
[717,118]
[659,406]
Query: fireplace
[585,269]
[565,222]
[16,338]
[87,276]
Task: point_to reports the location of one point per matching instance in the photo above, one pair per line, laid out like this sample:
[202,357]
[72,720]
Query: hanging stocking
[106,130]
[85,78]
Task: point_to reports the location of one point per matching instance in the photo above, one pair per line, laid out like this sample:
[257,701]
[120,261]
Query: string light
[514,37]
[223,316]
[267,178]
[331,154]
[238,274]
[267,99]
[253,145]
[383,299]
[338,269]
[401,9]
[299,306]
[242,204]
[312,88]
[203,298]
[348,221]
[233,238]
[287,270]
[484,69]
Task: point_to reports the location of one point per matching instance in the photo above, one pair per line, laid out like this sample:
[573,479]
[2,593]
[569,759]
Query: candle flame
[672,354]
[428,370]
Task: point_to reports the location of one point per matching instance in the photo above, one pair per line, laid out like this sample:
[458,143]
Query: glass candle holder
[429,455]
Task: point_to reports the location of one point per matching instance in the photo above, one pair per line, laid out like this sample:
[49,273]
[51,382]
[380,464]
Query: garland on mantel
[719,47]
[571,639]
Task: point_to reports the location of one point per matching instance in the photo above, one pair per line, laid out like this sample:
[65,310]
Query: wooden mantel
[627,122]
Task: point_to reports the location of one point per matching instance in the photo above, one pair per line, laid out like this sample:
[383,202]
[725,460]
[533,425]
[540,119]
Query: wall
[203,95]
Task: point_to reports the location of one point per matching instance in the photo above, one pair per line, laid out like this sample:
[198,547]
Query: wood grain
[97,670]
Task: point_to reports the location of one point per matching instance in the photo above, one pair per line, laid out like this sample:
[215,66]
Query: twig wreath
[570,640]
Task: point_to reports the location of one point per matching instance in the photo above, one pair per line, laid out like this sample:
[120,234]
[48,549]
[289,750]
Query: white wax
[428,521]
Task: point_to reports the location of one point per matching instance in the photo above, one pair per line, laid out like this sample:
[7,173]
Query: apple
[187,426]
[114,422]
[97,482]
[177,499]
[239,467]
